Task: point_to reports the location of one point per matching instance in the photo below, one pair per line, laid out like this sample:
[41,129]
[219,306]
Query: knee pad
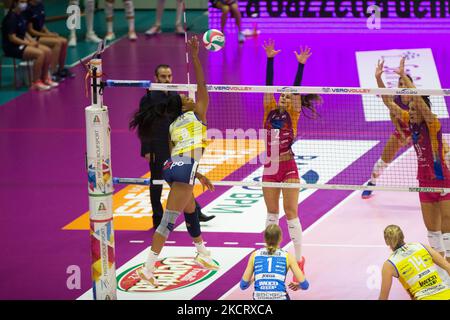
[446,241]
[295,231]
[435,240]
[192,224]
[272,218]
[129,8]
[109,10]
[167,222]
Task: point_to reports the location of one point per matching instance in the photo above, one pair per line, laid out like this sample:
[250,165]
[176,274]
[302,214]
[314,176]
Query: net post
[100,189]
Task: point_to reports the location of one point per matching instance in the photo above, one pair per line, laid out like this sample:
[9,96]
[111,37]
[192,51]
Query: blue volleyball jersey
[270,274]
[36,15]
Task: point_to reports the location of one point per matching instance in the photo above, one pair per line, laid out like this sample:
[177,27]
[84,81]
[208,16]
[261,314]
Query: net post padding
[100,189]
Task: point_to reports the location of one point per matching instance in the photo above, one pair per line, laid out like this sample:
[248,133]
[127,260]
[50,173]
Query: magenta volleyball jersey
[427,141]
[281,128]
[398,101]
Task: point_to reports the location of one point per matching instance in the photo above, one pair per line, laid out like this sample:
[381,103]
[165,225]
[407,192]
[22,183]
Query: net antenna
[185,27]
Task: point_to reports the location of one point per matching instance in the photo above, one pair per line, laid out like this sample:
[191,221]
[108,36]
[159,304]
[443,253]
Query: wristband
[304,285]
[244,284]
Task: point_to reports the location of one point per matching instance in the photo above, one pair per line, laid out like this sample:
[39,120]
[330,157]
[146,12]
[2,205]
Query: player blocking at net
[280,122]
[399,138]
[187,140]
[432,169]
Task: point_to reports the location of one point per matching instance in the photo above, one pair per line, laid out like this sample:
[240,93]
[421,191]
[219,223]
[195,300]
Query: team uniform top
[270,274]
[427,141]
[417,273]
[403,125]
[187,133]
[36,15]
[281,127]
[13,23]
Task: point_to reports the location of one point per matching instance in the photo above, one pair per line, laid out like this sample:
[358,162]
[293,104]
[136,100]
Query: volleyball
[214,40]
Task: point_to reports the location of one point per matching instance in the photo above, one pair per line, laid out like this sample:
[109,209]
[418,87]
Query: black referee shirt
[159,141]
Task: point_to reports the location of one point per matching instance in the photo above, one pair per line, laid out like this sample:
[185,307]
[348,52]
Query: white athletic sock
[151,260]
[179,13]
[89,10]
[296,234]
[436,241]
[201,248]
[377,170]
[109,27]
[109,14]
[159,12]
[446,243]
[272,218]
[129,12]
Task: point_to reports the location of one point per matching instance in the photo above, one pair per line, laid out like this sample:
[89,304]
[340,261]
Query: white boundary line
[89,55]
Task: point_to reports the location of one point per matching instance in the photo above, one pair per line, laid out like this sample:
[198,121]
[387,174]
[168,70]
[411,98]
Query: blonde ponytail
[272,237]
[394,237]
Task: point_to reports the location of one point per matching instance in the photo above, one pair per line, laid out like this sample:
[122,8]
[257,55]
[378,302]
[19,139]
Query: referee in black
[156,151]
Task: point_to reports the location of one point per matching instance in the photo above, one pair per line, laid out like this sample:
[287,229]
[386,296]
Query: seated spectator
[18,44]
[35,16]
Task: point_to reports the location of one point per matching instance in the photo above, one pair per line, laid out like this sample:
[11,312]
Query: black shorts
[14,51]
[180,169]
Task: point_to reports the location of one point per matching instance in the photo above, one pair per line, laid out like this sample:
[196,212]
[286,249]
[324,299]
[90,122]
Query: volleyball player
[18,44]
[433,170]
[269,266]
[280,121]
[89,10]
[35,15]
[129,12]
[414,264]
[156,28]
[399,138]
[156,150]
[188,141]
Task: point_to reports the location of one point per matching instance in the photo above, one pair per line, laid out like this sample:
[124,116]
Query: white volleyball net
[334,148]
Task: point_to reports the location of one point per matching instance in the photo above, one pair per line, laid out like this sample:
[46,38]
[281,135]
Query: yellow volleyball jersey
[187,133]
[417,272]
